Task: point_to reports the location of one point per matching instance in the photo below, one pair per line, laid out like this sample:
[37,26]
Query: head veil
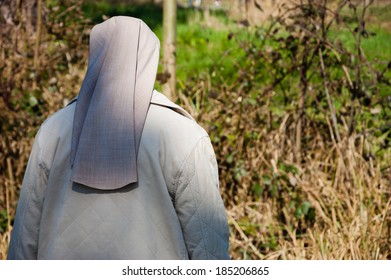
[113,103]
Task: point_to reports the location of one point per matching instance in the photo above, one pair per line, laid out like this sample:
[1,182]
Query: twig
[331,106]
[386,213]
[244,236]
[69,9]
[7,196]
[38,35]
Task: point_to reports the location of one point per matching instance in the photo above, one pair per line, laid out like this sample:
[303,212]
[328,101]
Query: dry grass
[42,66]
[348,189]
[352,213]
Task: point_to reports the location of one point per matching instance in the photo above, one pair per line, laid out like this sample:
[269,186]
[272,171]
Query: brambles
[299,125]
[41,68]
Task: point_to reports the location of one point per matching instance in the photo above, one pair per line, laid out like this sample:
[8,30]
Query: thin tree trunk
[301,114]
[169,47]
[250,9]
[38,35]
[299,127]
[329,101]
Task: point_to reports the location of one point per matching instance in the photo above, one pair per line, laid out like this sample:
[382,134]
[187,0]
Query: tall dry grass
[351,199]
[42,63]
[347,194]
[329,199]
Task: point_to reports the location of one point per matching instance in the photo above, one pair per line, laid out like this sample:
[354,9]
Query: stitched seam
[195,214]
[178,175]
[28,203]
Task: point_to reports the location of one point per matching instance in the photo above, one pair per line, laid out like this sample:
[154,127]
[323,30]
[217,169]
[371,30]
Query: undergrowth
[297,109]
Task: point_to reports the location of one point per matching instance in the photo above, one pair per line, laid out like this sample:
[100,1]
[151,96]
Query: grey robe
[174,211]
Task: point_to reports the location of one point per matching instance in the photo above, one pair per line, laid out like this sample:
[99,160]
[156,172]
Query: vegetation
[298,110]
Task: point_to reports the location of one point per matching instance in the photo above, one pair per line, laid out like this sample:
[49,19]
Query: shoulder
[170,135]
[172,122]
[54,132]
[58,124]
[161,100]
[170,130]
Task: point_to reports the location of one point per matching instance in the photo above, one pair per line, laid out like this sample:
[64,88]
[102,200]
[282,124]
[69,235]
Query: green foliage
[198,51]
[98,10]
[3,220]
[251,104]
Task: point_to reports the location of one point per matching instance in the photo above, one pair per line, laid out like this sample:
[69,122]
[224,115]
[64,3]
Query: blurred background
[294,94]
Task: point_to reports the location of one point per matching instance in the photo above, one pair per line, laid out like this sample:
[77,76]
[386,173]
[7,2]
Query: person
[121,172]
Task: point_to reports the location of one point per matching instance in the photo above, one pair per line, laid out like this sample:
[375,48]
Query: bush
[301,131]
[42,68]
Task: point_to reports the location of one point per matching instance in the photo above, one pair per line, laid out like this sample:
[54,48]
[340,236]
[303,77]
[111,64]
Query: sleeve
[24,236]
[199,205]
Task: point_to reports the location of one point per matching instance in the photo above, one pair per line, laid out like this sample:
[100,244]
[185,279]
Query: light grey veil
[113,103]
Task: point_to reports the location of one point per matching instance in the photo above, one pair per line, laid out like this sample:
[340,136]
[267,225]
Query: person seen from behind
[121,172]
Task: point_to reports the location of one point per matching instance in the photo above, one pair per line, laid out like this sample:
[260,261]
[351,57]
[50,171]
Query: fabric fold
[113,103]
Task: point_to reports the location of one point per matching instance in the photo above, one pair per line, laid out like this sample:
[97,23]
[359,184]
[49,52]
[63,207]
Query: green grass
[376,45]
[205,52]
[201,50]
[379,45]
[150,14]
